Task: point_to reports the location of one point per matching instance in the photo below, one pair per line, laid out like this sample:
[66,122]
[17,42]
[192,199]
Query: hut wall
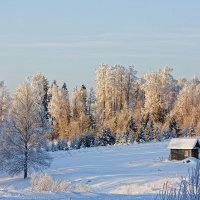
[181,154]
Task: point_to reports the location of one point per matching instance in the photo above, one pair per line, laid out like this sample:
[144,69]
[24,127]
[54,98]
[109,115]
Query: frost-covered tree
[187,106]
[129,88]
[23,139]
[101,93]
[139,100]
[4,101]
[83,99]
[54,110]
[114,94]
[80,118]
[60,112]
[65,113]
[160,93]
[75,104]
[91,109]
[40,84]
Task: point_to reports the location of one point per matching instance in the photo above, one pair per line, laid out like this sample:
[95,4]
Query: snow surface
[183,143]
[126,172]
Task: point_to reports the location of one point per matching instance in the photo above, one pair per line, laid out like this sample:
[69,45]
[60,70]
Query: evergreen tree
[132,130]
[174,128]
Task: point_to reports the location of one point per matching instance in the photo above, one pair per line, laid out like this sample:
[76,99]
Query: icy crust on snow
[183,143]
[125,172]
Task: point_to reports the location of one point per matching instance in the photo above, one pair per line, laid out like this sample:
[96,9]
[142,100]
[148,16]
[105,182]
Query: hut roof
[183,143]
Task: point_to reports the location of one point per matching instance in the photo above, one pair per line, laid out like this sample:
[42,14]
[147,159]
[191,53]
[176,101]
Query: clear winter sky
[67,39]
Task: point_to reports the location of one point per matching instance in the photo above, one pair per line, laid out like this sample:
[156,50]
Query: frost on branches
[4,102]
[23,140]
[60,111]
[123,107]
[114,94]
[160,93]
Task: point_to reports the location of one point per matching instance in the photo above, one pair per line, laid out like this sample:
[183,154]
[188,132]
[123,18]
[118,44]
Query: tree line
[123,108]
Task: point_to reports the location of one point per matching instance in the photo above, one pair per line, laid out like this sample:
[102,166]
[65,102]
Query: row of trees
[122,109]
[156,103]
[153,107]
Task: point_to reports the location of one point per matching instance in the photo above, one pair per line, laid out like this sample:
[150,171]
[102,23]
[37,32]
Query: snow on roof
[183,143]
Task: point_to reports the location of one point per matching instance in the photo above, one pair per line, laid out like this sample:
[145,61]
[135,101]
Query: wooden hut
[181,148]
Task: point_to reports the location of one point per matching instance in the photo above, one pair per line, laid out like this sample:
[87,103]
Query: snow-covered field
[135,171]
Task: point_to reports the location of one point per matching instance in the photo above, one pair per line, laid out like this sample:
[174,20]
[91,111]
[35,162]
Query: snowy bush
[44,182]
[41,182]
[188,188]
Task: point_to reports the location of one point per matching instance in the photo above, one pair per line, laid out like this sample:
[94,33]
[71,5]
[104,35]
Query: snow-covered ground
[135,171]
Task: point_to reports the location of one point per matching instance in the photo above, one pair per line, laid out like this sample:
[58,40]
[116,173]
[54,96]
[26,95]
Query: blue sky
[66,40]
